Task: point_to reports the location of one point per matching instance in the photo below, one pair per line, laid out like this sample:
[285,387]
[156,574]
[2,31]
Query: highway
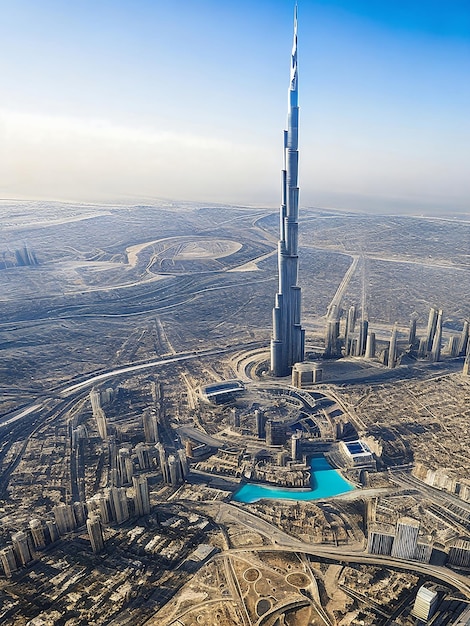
[10,418]
[345,554]
[186,356]
[336,300]
[89,381]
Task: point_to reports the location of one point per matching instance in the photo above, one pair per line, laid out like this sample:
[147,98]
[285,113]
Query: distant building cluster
[405,542]
[444,478]
[126,495]
[358,340]
[114,506]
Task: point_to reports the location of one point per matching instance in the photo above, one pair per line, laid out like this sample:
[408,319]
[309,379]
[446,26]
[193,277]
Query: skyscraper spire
[287,343]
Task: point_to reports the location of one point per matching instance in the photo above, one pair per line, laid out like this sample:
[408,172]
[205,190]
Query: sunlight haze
[185,100]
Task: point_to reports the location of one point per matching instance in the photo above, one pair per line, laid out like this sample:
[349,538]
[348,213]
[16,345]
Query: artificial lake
[325,482]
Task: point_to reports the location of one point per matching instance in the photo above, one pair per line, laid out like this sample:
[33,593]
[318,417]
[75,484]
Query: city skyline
[133,102]
[158,464]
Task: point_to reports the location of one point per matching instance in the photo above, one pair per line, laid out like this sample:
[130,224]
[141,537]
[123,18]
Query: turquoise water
[325,482]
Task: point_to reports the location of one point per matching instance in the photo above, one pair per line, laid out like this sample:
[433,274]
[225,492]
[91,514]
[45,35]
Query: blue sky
[120,100]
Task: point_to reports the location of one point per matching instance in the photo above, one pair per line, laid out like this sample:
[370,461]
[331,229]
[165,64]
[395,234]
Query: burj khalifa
[288,339]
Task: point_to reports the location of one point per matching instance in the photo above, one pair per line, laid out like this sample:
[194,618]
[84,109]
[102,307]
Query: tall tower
[412,331]
[95,532]
[150,426]
[436,343]
[142,498]
[37,532]
[22,547]
[287,343]
[370,346]
[464,339]
[431,331]
[7,558]
[64,518]
[392,350]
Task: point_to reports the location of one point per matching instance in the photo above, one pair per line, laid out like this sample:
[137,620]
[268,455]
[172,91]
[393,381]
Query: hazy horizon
[117,101]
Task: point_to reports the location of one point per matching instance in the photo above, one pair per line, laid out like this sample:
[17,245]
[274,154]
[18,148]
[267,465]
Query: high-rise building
[370,346]
[78,434]
[119,505]
[295,444]
[463,341]
[422,349]
[156,388]
[260,422]
[95,399]
[432,324]
[406,538]
[349,330]
[453,346]
[95,532]
[183,462]
[174,468]
[163,462]
[8,560]
[423,552]
[235,419]
[37,533]
[425,604]
[459,554]
[436,342]
[125,466]
[150,422]
[412,331]
[98,413]
[101,423]
[392,350]
[142,498]
[144,455]
[380,541]
[100,505]
[288,339]
[332,344]
[362,338]
[22,547]
[65,518]
[275,433]
[52,530]
[332,347]
[79,513]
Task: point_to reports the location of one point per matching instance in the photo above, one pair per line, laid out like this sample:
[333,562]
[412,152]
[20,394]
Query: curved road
[69,390]
[284,542]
